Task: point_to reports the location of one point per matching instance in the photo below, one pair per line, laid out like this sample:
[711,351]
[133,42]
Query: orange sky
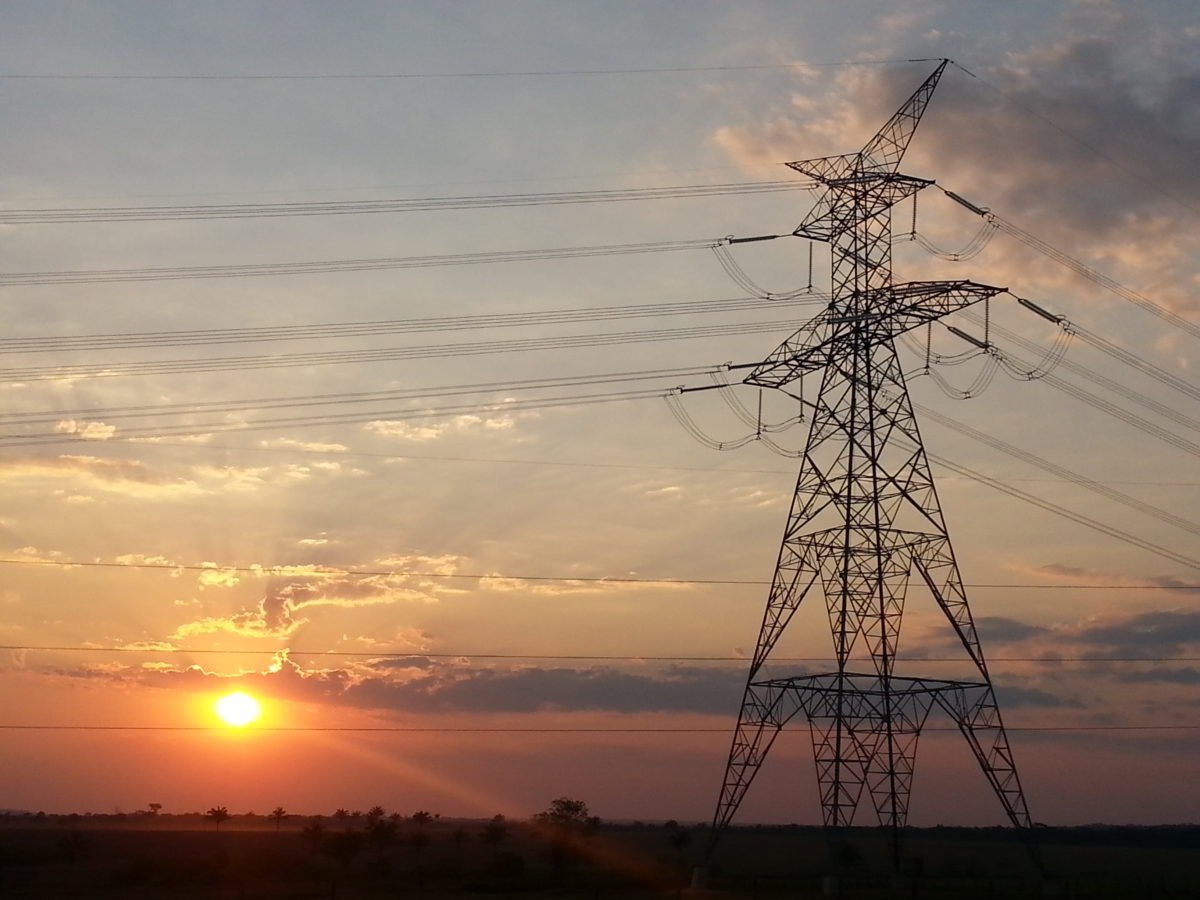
[482,561]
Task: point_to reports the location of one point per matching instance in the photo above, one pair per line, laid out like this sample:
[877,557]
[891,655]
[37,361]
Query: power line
[412,729]
[1069,262]
[1064,512]
[126,340]
[1063,472]
[308,267]
[115,413]
[319,572]
[191,212]
[380,76]
[1091,377]
[208,364]
[570,657]
[308,571]
[499,408]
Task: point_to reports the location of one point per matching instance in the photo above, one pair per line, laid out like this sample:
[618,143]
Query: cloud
[417,684]
[214,576]
[1079,575]
[563,587]
[1158,633]
[1188,676]
[127,477]
[1076,138]
[1014,697]
[309,446]
[432,431]
[532,689]
[1001,630]
[293,589]
[88,431]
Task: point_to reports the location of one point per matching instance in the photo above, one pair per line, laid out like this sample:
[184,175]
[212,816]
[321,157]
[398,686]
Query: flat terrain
[257,858]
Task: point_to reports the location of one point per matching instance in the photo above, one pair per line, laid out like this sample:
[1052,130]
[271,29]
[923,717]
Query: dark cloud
[403,662]
[1160,633]
[1077,139]
[1012,697]
[420,685]
[1001,630]
[537,689]
[1186,676]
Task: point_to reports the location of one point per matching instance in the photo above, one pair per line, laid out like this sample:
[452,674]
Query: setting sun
[237,709]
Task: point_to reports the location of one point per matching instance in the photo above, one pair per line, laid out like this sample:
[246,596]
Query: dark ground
[142,856]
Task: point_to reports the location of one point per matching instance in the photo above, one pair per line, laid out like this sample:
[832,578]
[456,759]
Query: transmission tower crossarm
[888,313]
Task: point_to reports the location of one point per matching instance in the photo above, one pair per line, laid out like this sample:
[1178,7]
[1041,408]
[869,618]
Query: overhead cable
[177,366]
[384,417]
[1064,512]
[309,571]
[395,205]
[1079,268]
[177,273]
[126,340]
[157,410]
[293,652]
[1093,377]
[1060,471]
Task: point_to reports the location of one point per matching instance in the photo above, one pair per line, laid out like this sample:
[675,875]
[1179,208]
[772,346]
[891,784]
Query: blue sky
[1074,121]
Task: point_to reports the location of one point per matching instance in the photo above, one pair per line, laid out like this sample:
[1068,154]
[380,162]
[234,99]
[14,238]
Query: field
[259,858]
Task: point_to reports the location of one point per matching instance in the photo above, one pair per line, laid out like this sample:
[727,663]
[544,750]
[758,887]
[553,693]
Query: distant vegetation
[563,852]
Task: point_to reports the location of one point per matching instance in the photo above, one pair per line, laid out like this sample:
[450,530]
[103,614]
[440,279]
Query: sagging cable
[739,276]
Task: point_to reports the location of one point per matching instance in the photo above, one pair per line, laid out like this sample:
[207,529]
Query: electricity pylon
[865,518]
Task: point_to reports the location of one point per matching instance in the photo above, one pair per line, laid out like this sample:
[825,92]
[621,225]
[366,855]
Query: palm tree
[375,813]
[278,814]
[218,814]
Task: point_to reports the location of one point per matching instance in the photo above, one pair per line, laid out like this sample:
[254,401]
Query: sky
[435,512]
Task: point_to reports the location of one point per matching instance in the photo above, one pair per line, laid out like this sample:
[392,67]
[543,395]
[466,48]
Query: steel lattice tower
[865,518]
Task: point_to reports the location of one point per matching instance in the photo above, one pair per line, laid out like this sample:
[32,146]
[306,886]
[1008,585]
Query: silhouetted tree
[375,813]
[419,840]
[382,833]
[218,814]
[278,814]
[677,838]
[315,831]
[74,846]
[341,814]
[565,812]
[565,821]
[343,846]
[495,832]
[422,817]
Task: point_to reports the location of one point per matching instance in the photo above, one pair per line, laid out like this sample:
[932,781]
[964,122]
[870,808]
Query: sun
[237,709]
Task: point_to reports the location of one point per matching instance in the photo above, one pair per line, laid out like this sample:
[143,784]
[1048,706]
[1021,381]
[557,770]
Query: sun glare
[237,709]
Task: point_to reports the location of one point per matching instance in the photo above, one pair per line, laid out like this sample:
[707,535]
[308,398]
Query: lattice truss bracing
[865,520]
